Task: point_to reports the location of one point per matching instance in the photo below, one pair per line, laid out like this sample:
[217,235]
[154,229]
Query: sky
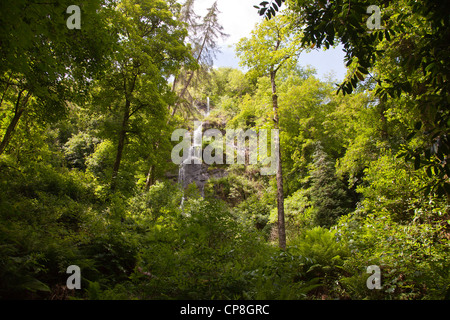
[239,17]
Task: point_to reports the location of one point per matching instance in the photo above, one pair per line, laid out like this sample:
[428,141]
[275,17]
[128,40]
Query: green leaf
[387,36]
[313,267]
[380,35]
[272,11]
[430,66]
[440,190]
[410,135]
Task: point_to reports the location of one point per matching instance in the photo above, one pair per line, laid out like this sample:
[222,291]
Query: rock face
[191,172]
[193,169]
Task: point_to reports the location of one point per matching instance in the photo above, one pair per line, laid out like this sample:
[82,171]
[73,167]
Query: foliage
[412,256]
[43,215]
[329,197]
[269,10]
[275,43]
[86,178]
[412,41]
[401,232]
[204,255]
[299,214]
[203,37]
[307,269]
[44,64]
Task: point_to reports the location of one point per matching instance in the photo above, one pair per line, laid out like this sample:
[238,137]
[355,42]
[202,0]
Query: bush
[283,275]
[391,184]
[412,257]
[256,211]
[325,255]
[162,198]
[43,217]
[298,214]
[203,255]
[235,188]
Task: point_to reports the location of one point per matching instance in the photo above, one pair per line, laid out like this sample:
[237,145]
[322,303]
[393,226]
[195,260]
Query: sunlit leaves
[411,39]
[272,44]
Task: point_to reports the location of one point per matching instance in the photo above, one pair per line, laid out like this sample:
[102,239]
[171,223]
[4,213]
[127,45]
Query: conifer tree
[328,194]
[203,37]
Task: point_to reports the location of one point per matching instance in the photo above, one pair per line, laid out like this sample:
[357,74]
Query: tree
[418,31]
[150,49]
[43,64]
[328,194]
[306,109]
[273,45]
[203,38]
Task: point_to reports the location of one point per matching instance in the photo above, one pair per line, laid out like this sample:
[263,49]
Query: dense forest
[357,206]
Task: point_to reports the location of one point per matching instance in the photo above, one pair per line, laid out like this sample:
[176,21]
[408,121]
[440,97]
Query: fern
[321,246]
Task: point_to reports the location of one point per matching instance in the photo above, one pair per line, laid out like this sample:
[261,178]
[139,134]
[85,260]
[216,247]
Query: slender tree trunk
[120,145]
[150,177]
[4,92]
[11,127]
[280,192]
[19,110]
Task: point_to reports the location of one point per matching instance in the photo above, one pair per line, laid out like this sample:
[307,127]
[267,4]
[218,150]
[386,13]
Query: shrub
[202,255]
[298,214]
[412,256]
[162,198]
[325,255]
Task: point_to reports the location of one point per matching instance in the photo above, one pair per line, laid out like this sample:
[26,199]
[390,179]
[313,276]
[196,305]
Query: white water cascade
[191,168]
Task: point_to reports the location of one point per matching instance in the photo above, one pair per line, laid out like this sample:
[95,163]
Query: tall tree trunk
[19,110]
[5,91]
[120,145]
[280,192]
[150,177]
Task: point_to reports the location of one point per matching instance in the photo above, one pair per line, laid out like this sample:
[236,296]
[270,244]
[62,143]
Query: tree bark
[120,145]
[150,177]
[19,110]
[280,192]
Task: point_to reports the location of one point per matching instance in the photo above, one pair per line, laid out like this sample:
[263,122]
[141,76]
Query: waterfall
[191,166]
[181,179]
[207,106]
